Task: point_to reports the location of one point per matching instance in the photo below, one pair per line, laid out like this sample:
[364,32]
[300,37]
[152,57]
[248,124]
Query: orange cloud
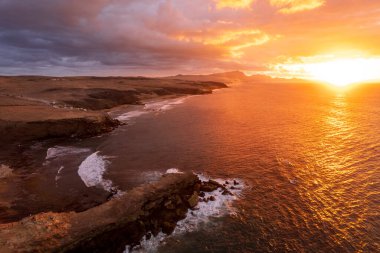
[235,4]
[293,6]
[233,41]
[180,35]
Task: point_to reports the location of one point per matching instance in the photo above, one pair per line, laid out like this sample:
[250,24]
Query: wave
[164,104]
[59,151]
[5,171]
[152,107]
[92,169]
[195,218]
[130,115]
[173,171]
[58,175]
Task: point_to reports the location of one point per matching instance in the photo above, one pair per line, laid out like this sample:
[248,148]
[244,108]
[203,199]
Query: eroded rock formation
[145,210]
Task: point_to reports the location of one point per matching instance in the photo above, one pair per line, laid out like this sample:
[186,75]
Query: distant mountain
[268,79]
[217,77]
[234,76]
[230,75]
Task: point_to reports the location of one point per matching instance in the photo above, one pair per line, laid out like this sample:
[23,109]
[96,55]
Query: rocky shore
[18,124]
[35,108]
[124,220]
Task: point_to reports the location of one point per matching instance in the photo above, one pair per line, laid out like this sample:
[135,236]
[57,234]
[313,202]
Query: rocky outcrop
[124,220]
[211,185]
[81,125]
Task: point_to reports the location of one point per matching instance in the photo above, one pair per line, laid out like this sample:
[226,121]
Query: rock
[226,182]
[210,186]
[178,199]
[214,183]
[113,192]
[212,198]
[168,227]
[202,194]
[197,187]
[169,205]
[52,123]
[155,229]
[121,221]
[226,192]
[232,188]
[193,200]
[235,182]
[181,213]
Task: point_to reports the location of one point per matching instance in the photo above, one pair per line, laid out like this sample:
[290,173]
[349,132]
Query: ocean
[306,156]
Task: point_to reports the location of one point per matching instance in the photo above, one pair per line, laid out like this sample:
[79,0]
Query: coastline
[148,212]
[33,111]
[30,115]
[38,108]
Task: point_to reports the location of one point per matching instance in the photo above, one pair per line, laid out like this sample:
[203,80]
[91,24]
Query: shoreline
[148,212]
[31,114]
[38,108]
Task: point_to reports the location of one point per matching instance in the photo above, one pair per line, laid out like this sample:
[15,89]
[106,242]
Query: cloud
[235,4]
[131,37]
[233,41]
[293,6]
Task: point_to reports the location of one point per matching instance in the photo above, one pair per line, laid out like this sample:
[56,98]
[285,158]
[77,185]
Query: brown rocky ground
[37,108]
[34,107]
[124,220]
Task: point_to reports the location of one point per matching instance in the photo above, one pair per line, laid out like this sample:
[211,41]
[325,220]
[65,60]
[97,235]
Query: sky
[167,37]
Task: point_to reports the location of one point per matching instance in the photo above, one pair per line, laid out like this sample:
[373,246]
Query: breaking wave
[195,218]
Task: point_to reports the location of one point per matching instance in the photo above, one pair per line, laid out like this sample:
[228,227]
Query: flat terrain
[35,107]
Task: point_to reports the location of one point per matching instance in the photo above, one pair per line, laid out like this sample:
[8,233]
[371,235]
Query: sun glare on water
[338,72]
[343,72]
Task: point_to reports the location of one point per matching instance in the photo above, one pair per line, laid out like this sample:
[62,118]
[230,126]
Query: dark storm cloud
[100,34]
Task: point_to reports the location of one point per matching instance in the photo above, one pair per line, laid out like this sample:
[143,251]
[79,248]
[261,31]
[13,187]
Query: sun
[334,70]
[344,72]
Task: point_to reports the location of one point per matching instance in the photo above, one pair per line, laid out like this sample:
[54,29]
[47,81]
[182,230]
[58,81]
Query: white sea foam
[220,207]
[58,176]
[130,115]
[205,210]
[150,176]
[174,171]
[148,246]
[59,151]
[151,107]
[5,171]
[164,104]
[91,171]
